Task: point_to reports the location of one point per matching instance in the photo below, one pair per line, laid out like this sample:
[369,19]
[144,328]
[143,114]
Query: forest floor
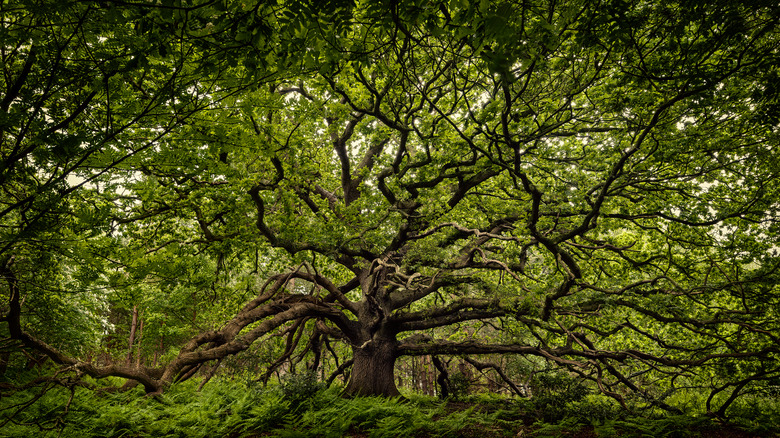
[589,432]
[528,427]
[725,431]
[232,409]
[523,425]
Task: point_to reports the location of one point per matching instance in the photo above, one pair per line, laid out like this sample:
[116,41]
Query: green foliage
[555,430]
[593,184]
[595,409]
[556,396]
[298,388]
[219,410]
[333,416]
[668,427]
[756,414]
[228,407]
[459,385]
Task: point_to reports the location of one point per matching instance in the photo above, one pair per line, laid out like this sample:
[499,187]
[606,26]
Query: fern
[547,430]
[229,408]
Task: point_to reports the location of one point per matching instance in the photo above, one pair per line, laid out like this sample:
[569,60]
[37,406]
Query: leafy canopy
[591,184]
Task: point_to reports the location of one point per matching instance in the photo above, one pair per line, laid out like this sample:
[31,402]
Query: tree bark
[138,356]
[373,369]
[444,377]
[131,340]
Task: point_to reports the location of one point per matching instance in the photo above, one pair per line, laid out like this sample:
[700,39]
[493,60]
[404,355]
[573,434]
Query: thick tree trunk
[373,370]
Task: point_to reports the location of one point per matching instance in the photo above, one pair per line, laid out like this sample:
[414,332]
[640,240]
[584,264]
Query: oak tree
[591,183]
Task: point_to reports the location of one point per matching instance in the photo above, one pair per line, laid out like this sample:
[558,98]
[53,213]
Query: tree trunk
[373,370]
[131,341]
[444,377]
[138,356]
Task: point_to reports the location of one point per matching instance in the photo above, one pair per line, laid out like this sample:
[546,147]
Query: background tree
[593,182]
[85,87]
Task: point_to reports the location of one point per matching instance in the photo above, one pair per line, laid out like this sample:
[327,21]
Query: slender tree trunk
[426,376]
[138,356]
[131,340]
[158,351]
[373,370]
[415,380]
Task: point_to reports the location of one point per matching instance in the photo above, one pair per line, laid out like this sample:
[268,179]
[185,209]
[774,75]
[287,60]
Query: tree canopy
[590,185]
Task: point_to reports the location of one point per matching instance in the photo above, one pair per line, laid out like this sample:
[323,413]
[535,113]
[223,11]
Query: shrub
[459,385]
[298,388]
[552,395]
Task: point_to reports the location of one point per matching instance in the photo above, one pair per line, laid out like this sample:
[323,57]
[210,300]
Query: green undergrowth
[602,417]
[229,408]
[302,407]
